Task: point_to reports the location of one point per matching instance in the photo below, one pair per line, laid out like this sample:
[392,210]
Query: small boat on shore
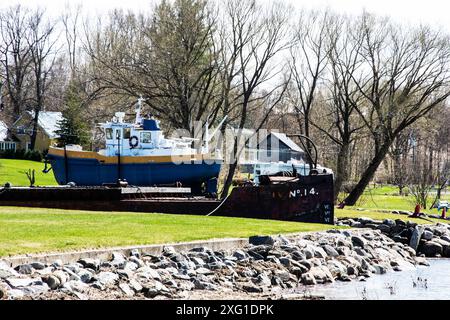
[139,154]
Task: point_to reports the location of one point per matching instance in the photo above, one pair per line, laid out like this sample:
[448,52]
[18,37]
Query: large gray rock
[61,275]
[427,235]
[283,240]
[446,252]
[8,272]
[239,254]
[380,269]
[75,286]
[307,264]
[261,240]
[297,255]
[285,262]
[168,251]
[203,285]
[308,252]
[251,288]
[389,222]
[298,270]
[25,269]
[72,275]
[415,237]
[320,253]
[135,285]
[321,274]
[365,220]
[52,281]
[3,292]
[344,243]
[330,251]
[85,275]
[431,249]
[126,289]
[255,255]
[37,265]
[148,273]
[36,289]
[358,241]
[21,282]
[384,228]
[89,263]
[282,275]
[308,279]
[263,280]
[344,251]
[118,260]
[336,268]
[352,270]
[107,278]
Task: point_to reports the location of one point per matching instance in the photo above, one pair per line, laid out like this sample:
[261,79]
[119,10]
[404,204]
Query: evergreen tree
[72,129]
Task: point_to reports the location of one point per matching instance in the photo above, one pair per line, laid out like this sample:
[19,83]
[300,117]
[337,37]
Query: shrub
[33,155]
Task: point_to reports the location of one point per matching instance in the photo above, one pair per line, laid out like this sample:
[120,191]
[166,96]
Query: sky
[434,12]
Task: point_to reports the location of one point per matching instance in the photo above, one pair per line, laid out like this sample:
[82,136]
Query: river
[422,283]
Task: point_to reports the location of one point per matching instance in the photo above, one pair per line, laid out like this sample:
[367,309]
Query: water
[394,285]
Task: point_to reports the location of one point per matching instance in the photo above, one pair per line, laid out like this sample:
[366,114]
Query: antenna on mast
[138,110]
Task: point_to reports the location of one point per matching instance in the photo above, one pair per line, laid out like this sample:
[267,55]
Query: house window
[146,137]
[109,133]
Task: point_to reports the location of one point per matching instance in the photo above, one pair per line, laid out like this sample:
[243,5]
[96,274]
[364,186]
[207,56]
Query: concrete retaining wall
[104,254]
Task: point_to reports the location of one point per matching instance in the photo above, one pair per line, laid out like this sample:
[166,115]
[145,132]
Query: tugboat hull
[91,169]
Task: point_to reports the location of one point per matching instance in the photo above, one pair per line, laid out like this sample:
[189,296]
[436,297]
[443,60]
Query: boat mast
[138,111]
[119,173]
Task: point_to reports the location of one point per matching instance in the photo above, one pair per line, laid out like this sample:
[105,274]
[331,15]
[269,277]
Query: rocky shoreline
[427,240]
[266,268]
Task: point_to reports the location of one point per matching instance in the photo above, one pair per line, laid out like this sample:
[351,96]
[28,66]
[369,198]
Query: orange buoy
[416,210]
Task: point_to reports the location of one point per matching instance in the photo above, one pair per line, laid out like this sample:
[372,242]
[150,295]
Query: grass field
[386,197]
[350,212]
[13,171]
[32,230]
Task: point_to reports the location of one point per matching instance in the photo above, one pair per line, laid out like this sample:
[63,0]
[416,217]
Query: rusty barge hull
[308,199]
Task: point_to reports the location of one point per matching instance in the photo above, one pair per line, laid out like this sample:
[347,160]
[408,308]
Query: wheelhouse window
[127,133]
[146,137]
[109,133]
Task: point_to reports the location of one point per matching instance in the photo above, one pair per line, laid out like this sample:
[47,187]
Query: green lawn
[32,230]
[386,197]
[13,171]
[350,212]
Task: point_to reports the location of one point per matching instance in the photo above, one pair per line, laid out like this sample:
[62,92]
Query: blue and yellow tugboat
[139,154]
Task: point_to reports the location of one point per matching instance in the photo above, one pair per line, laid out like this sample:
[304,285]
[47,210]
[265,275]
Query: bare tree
[338,120]
[257,36]
[308,62]
[405,75]
[169,58]
[15,56]
[42,60]
[71,22]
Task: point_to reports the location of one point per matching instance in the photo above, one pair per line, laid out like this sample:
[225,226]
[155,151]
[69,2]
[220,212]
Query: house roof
[49,122]
[3,131]
[286,140]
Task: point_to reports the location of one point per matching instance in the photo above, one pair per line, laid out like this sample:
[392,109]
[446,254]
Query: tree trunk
[341,169]
[368,175]
[35,129]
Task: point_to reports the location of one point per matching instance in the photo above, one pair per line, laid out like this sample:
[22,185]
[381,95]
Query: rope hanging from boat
[220,204]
